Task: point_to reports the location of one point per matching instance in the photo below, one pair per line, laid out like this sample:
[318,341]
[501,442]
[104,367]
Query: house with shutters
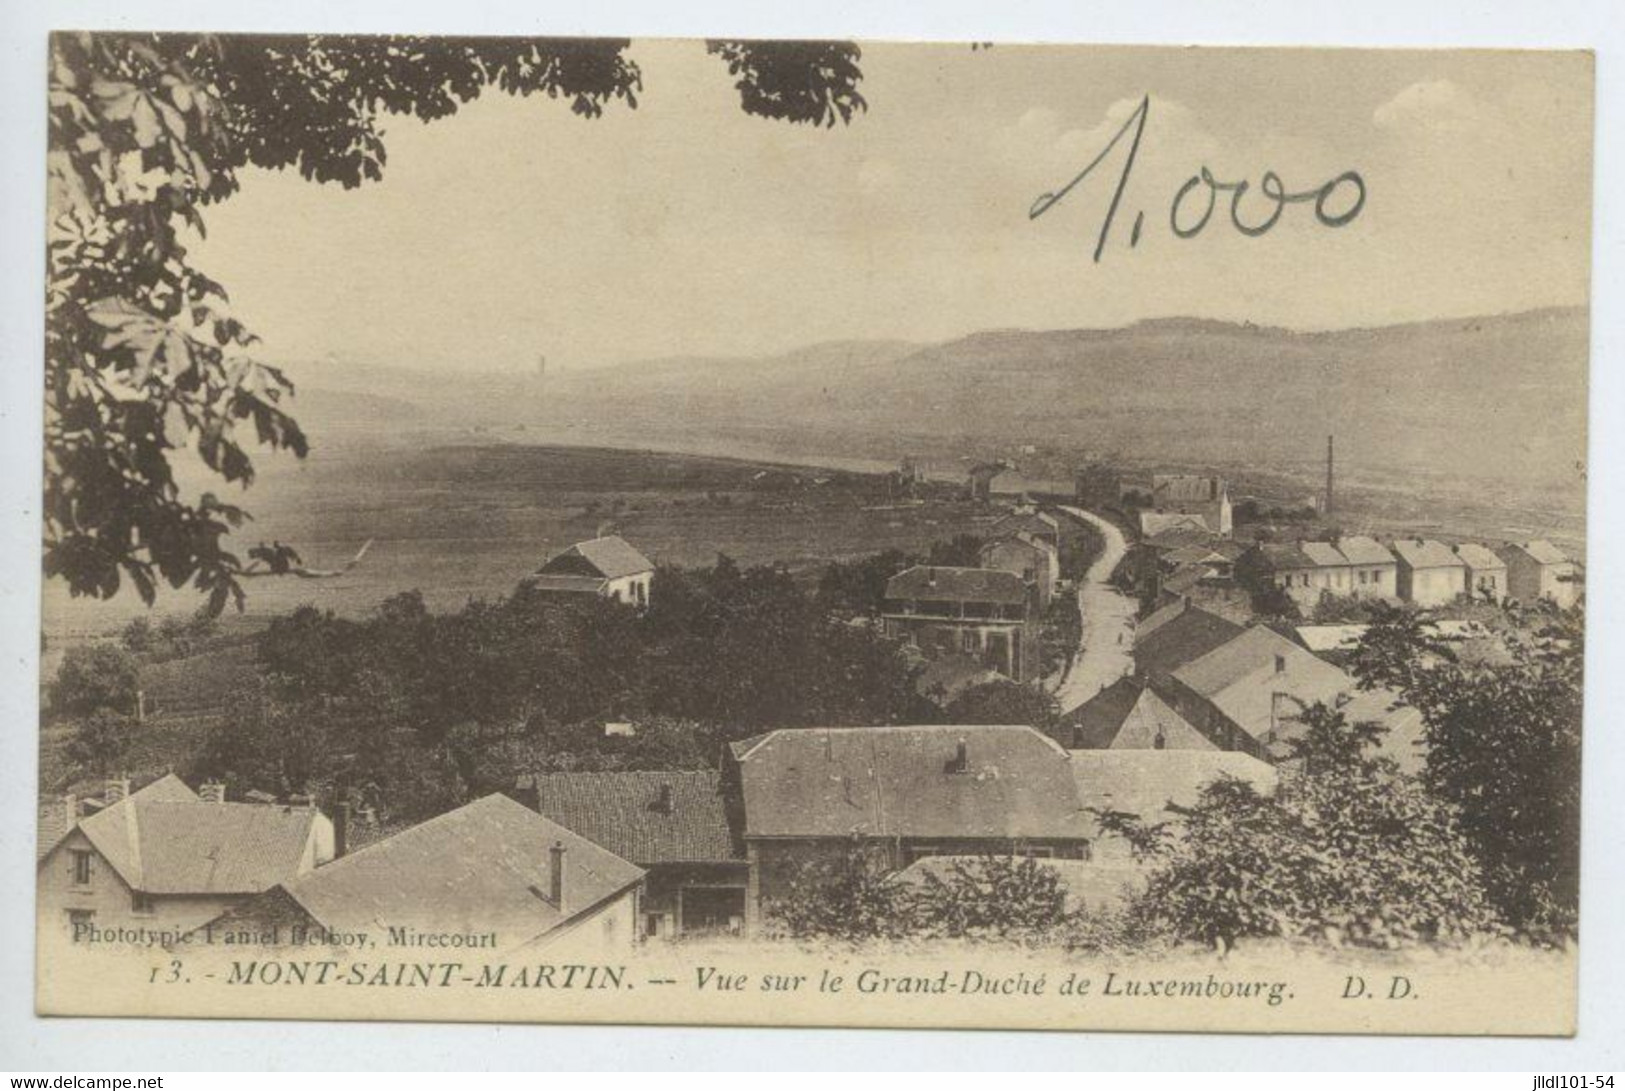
[1373,572]
[673,825]
[608,567]
[169,859]
[490,876]
[983,613]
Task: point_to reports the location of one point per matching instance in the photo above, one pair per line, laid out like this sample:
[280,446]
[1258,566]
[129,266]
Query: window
[967,640]
[1280,664]
[81,867]
[79,919]
[1362,575]
[140,904]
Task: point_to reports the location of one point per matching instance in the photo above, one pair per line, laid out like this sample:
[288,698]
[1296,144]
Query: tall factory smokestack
[1329,476]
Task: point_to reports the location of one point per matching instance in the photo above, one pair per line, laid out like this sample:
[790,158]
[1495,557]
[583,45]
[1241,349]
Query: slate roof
[611,557]
[1542,551]
[622,811]
[589,585]
[1191,530]
[1145,782]
[900,782]
[1425,553]
[1129,714]
[1179,638]
[1186,578]
[1240,678]
[165,840]
[1362,550]
[1033,522]
[55,825]
[1156,523]
[937,583]
[1284,556]
[1324,554]
[1477,557]
[485,866]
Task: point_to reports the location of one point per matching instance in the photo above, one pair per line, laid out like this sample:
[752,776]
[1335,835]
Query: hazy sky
[685,227]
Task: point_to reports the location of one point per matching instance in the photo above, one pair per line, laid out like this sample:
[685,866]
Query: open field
[469,521]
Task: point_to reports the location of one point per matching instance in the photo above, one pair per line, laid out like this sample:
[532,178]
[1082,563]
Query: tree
[95,677]
[1349,851]
[1005,702]
[99,741]
[143,356]
[1503,746]
[849,897]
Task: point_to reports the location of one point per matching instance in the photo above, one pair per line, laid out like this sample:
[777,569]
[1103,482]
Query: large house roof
[937,583]
[1179,637]
[1478,557]
[165,840]
[905,782]
[1146,782]
[1034,522]
[486,866]
[1129,714]
[645,817]
[611,557]
[1242,676]
[1362,550]
[1425,553]
[1284,556]
[1189,530]
[547,581]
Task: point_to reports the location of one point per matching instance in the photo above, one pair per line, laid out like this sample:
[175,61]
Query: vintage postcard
[814,533]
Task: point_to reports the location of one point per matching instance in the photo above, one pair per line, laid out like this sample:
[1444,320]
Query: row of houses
[1423,571]
[606,860]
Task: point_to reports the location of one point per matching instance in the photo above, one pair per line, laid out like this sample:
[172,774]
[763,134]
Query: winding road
[1108,620]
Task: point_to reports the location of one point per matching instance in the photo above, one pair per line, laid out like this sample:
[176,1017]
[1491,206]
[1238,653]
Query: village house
[979,612]
[1194,494]
[1374,568]
[1170,637]
[608,567]
[1306,572]
[810,796]
[1250,693]
[1430,573]
[1032,558]
[1027,519]
[993,480]
[168,859]
[493,872]
[1539,570]
[1129,715]
[1486,574]
[673,825]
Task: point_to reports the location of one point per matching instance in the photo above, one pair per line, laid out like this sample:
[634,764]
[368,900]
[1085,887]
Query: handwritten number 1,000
[1331,208]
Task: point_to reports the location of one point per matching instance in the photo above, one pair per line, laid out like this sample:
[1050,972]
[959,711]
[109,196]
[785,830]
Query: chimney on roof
[961,758]
[663,803]
[70,811]
[555,875]
[212,791]
[117,788]
[930,577]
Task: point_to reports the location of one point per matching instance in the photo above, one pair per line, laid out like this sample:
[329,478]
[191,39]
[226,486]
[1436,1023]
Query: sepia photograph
[813,533]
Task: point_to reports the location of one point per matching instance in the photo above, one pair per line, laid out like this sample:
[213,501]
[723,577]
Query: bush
[99,741]
[1349,852]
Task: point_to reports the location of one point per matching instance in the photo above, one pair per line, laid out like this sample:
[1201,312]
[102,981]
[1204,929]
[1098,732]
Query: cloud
[1430,105]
